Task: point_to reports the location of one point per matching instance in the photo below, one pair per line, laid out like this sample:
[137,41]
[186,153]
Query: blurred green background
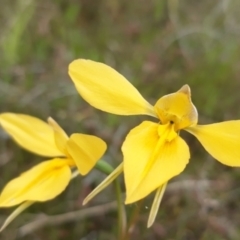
[159,46]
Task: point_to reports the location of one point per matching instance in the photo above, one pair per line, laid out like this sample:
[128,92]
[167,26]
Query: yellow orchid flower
[48,179]
[153,151]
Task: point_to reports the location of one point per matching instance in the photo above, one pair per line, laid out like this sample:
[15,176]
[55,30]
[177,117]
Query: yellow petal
[106,89]
[30,133]
[25,205]
[221,140]
[60,136]
[144,172]
[85,150]
[15,213]
[156,204]
[108,180]
[41,183]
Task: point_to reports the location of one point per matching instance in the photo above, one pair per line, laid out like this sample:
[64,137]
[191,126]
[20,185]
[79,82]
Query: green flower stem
[104,167]
[121,212]
[107,169]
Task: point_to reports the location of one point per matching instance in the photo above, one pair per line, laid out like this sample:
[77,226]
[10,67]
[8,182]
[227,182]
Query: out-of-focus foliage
[158,46]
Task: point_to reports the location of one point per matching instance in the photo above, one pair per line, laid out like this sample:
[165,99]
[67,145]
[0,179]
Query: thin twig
[190,185]
[101,209]
[66,217]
